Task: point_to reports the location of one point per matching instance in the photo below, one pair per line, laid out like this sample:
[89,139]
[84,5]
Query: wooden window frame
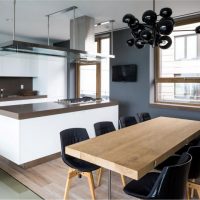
[157,62]
[98,69]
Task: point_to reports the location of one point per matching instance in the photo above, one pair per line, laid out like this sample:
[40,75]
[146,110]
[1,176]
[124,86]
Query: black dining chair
[144,116]
[126,121]
[102,128]
[169,184]
[77,167]
[194,173]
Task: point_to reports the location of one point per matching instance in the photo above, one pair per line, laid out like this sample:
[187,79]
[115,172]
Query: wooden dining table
[137,149]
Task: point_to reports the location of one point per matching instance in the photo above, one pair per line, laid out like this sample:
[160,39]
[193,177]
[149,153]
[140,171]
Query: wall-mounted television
[124,73]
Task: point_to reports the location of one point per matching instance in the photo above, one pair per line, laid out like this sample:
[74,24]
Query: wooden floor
[48,181]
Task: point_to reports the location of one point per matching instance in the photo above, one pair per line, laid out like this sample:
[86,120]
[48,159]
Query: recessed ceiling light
[103,23]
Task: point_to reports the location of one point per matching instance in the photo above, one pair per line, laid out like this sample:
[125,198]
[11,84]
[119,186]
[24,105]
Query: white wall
[52,77]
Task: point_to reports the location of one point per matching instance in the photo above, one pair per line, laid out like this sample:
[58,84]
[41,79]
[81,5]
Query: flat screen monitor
[124,73]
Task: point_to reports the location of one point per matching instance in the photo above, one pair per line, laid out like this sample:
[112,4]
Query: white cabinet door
[17,65]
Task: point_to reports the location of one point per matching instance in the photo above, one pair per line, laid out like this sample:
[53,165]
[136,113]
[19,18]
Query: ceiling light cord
[14,17]
[112,28]
[48,27]
[57,12]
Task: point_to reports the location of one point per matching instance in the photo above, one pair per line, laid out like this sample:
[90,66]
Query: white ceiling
[31,21]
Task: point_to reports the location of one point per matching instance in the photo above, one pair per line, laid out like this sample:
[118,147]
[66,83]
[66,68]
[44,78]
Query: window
[93,79]
[178,68]
[185,47]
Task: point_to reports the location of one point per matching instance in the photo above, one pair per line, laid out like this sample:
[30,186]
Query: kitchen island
[31,131]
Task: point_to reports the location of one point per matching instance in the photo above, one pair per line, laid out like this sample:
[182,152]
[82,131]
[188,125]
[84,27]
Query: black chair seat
[82,165]
[142,187]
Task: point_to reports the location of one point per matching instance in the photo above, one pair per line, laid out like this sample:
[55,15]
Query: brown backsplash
[11,85]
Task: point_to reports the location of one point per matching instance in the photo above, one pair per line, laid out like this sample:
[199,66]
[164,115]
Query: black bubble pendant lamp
[152,31]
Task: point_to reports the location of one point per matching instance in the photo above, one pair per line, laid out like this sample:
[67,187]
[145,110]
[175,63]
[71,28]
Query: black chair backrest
[103,127]
[144,116]
[171,183]
[71,136]
[127,121]
[194,151]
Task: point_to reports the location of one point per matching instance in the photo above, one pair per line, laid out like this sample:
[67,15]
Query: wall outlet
[22,87]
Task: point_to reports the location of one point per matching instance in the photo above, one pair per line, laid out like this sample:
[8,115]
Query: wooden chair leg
[188,192]
[71,173]
[91,183]
[123,180]
[198,192]
[192,190]
[192,193]
[100,170]
[192,186]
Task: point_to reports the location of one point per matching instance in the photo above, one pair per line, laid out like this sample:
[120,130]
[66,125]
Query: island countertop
[27,111]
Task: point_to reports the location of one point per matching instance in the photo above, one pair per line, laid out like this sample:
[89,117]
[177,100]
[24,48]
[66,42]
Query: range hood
[82,42]
[74,55]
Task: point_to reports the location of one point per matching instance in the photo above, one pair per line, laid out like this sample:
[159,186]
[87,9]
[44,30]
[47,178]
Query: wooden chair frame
[191,187]
[73,172]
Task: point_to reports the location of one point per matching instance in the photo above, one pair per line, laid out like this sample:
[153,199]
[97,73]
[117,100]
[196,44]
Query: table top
[135,150]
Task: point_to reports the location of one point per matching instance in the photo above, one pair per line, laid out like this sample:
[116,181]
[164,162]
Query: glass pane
[181,58]
[88,80]
[105,70]
[191,47]
[179,92]
[179,48]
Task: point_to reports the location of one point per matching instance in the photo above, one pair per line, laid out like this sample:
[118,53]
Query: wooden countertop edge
[103,163]
[21,116]
[22,98]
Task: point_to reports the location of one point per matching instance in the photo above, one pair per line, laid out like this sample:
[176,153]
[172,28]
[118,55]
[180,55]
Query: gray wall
[134,97]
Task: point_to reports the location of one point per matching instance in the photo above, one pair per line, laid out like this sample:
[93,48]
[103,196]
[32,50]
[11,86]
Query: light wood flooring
[48,181]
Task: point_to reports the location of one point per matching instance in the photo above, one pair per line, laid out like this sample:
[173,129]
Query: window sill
[176,106]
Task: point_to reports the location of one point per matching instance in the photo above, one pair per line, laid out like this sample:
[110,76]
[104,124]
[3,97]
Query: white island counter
[31,132]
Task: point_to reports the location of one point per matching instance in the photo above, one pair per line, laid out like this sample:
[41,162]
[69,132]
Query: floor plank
[48,181]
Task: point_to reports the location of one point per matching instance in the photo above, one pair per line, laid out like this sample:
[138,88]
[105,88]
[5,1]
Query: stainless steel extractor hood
[74,55]
[82,46]
[82,34]
[82,40]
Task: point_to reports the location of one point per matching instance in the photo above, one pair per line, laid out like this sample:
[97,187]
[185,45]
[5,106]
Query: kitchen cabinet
[17,65]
